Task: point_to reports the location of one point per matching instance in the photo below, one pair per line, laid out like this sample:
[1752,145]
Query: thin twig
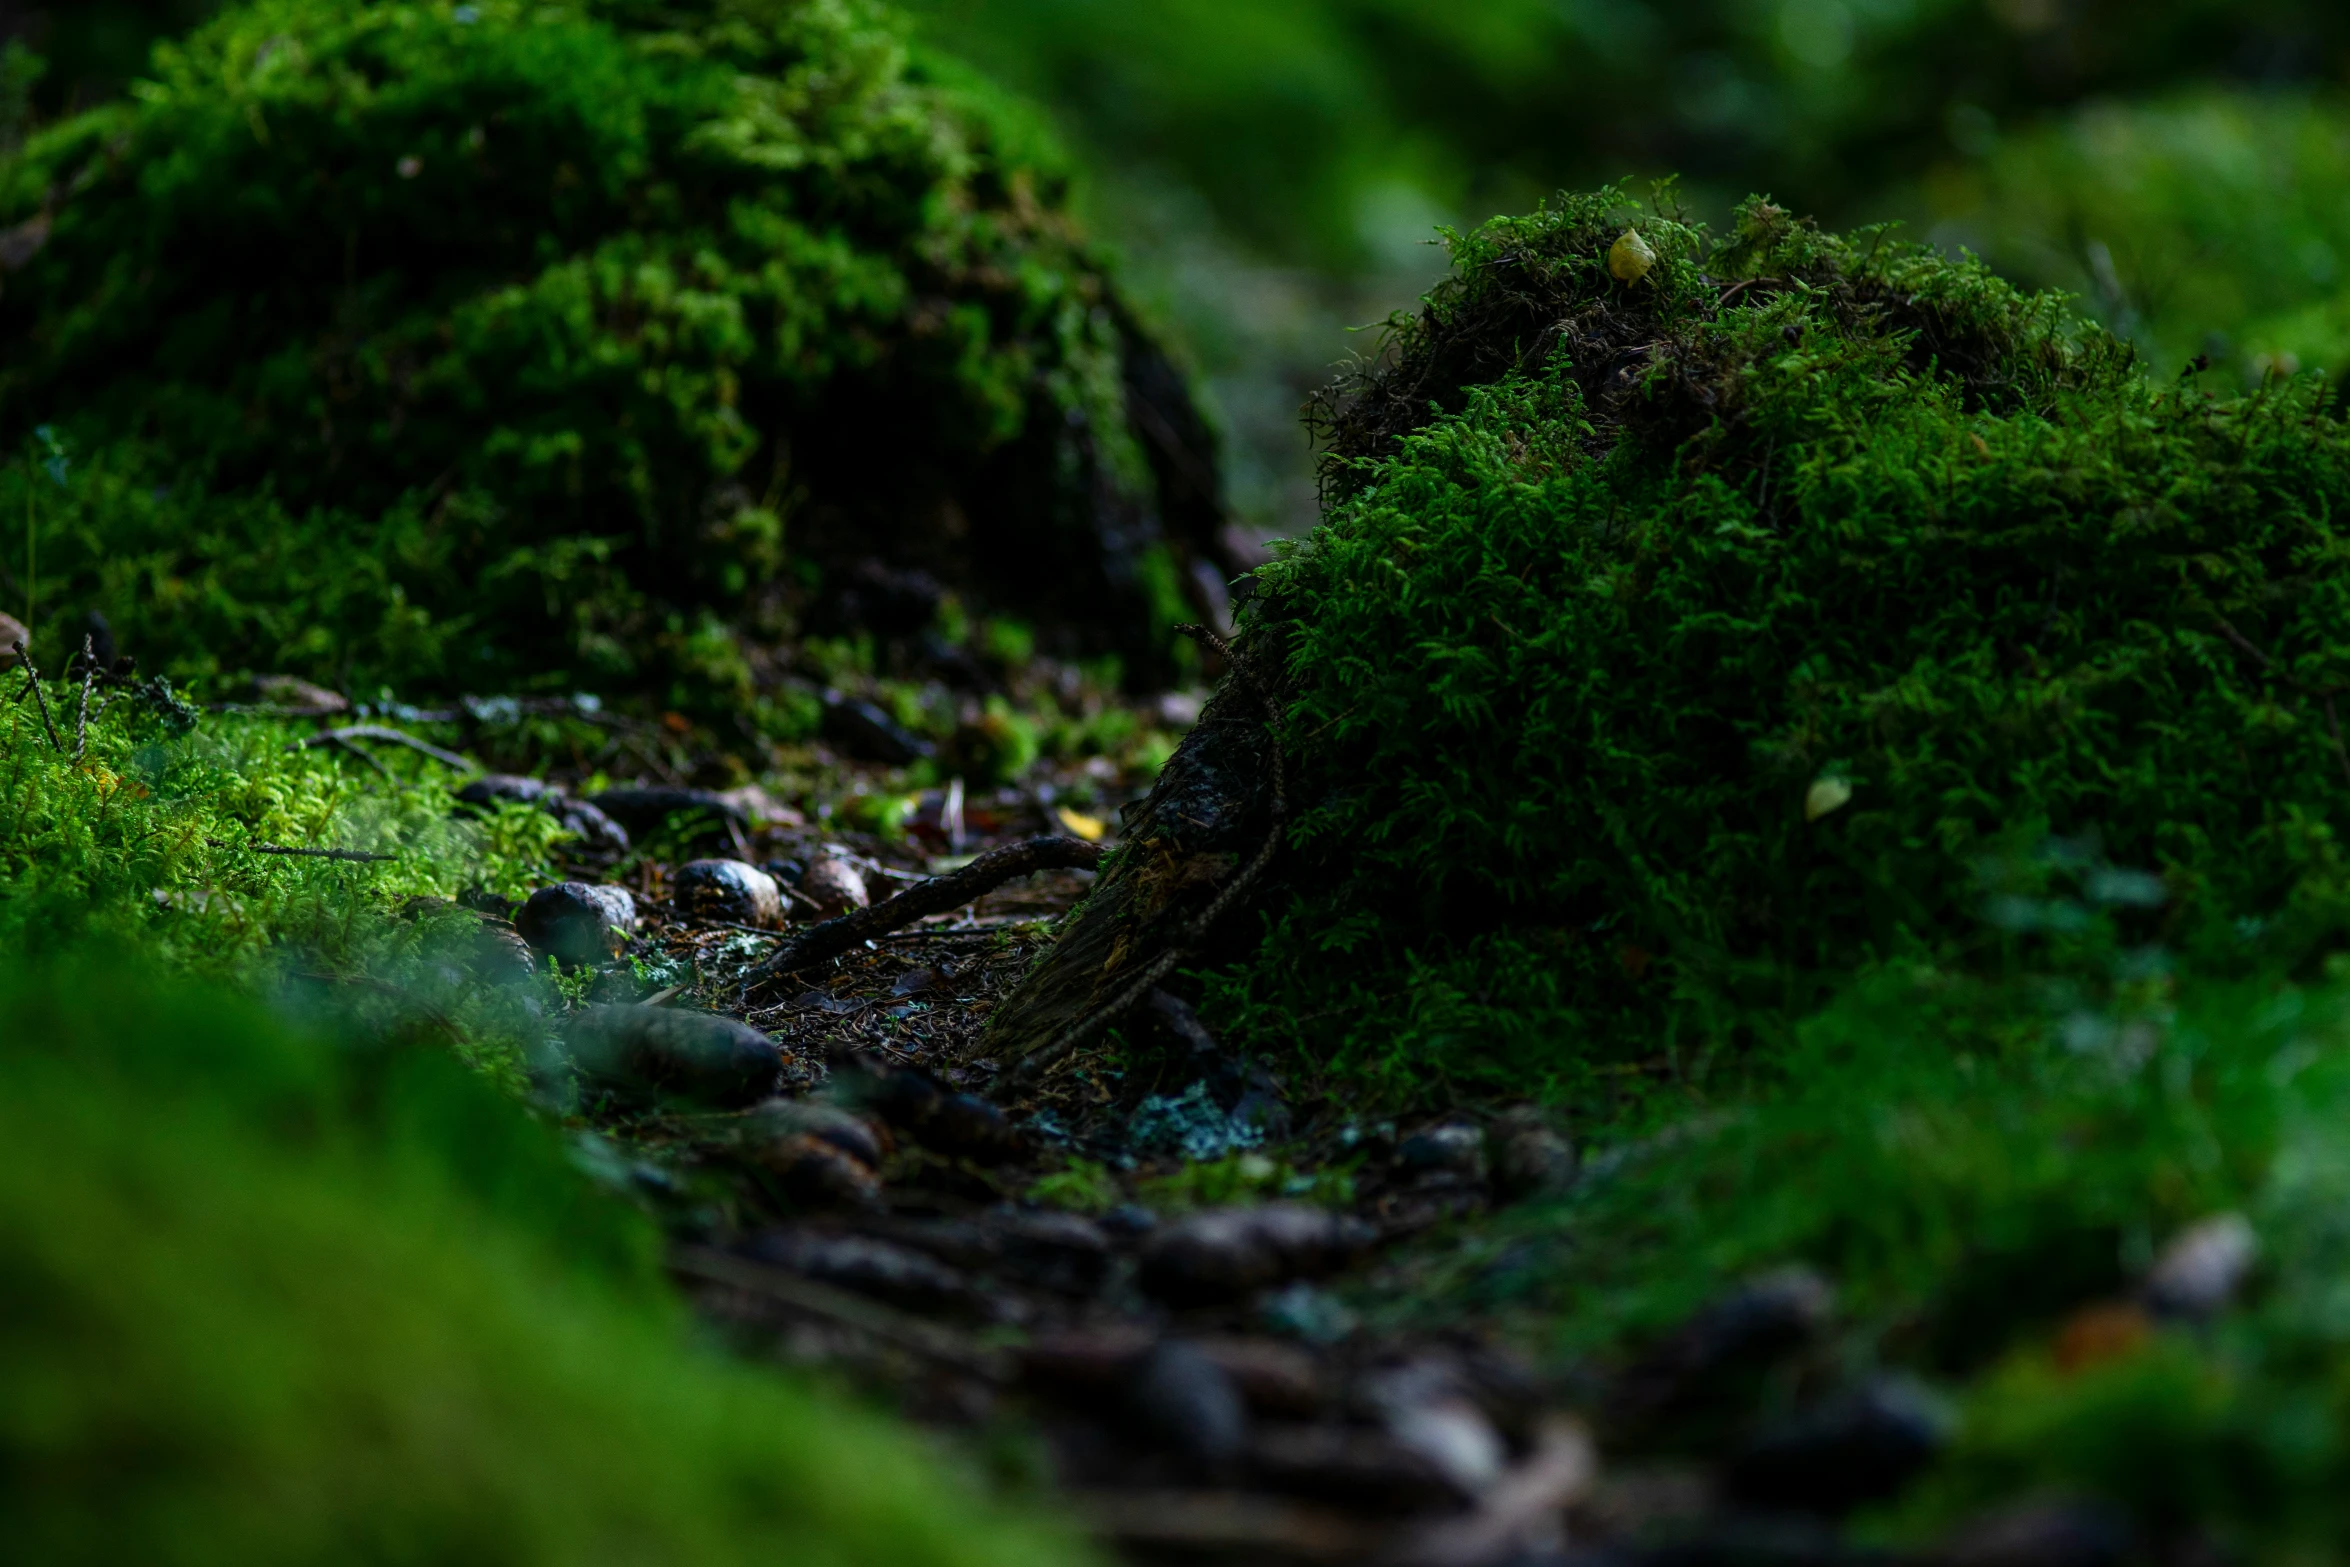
[364,754]
[81,717]
[351,732]
[33,679]
[354,855]
[936,895]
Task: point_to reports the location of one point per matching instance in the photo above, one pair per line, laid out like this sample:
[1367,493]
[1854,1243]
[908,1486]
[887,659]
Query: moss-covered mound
[1673,644]
[271,1300]
[459,345]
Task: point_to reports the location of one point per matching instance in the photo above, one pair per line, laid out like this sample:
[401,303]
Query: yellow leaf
[1825,796]
[1080,825]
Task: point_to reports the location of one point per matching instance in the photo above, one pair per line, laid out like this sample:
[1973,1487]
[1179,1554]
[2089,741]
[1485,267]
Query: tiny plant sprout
[1630,257]
[1825,796]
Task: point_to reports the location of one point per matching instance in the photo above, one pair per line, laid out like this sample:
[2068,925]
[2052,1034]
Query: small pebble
[1760,1320]
[1303,1312]
[578,922]
[2201,1269]
[1454,1436]
[666,1052]
[1354,1466]
[833,885]
[499,955]
[1185,1398]
[897,1274]
[852,1134]
[865,731]
[1855,1447]
[1228,1253]
[728,890]
[2052,1533]
[1088,1360]
[643,810]
[1455,1148]
[1529,1157]
[1274,1378]
[600,837]
[961,1126]
[819,1173]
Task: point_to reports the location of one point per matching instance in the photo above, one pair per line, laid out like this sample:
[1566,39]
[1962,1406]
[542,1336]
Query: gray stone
[576,921]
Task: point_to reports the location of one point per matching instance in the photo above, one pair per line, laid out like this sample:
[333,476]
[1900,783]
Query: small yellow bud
[1630,257]
[1825,796]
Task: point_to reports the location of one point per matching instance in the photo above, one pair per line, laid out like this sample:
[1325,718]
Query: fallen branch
[354,855]
[351,732]
[935,896]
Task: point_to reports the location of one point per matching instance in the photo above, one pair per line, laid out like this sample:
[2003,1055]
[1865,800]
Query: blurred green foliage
[1741,627]
[1972,1164]
[2209,225]
[278,1298]
[1299,118]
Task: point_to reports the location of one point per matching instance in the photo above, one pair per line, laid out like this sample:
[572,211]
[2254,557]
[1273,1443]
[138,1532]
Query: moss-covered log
[1681,637]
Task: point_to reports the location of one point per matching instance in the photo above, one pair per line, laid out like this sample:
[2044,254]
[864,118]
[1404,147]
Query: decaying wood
[937,895]
[1194,848]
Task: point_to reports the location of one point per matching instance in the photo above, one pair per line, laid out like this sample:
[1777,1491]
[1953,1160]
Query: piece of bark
[1207,815]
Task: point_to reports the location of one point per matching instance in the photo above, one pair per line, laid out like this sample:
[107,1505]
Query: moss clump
[475,346]
[272,1300]
[1672,648]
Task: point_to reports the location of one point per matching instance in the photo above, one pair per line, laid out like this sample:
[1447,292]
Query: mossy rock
[469,346]
[275,1298]
[1672,648]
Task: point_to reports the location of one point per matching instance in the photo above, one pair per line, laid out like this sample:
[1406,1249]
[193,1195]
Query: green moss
[511,345]
[279,1300]
[1614,576]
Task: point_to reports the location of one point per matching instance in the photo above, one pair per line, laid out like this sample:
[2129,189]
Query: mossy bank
[490,346]
[1695,622]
